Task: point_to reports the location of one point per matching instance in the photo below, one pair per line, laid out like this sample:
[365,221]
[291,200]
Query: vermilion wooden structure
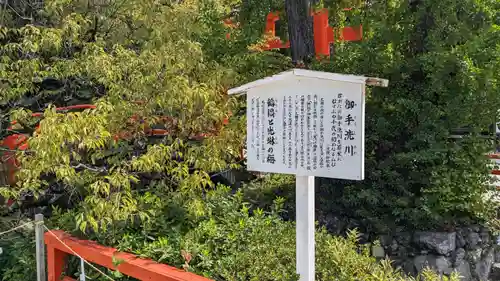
[131,265]
[324,34]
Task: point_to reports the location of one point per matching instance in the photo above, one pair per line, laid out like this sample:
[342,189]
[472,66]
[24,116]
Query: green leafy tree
[442,60]
[142,64]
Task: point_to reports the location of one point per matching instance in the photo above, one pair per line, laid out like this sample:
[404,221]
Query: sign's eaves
[295,73]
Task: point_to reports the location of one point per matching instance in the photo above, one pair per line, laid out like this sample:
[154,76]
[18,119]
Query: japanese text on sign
[305,131]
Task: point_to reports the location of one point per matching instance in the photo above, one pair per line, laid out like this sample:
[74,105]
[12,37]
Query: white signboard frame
[307,123]
[307,127]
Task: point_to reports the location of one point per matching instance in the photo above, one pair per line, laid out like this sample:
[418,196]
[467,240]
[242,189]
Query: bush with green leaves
[144,64]
[442,60]
[175,60]
[172,57]
[18,258]
[220,237]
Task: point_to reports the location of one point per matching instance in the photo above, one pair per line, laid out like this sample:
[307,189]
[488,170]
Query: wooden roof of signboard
[294,73]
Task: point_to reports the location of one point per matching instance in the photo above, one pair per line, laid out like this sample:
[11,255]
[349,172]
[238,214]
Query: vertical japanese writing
[313,128]
[284,132]
[297,129]
[339,127]
[253,128]
[321,133]
[271,133]
[315,133]
[332,148]
[290,127]
[302,130]
[350,123]
[263,132]
[258,131]
[309,132]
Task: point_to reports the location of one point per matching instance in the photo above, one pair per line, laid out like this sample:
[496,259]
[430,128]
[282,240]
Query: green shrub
[443,70]
[223,239]
[17,261]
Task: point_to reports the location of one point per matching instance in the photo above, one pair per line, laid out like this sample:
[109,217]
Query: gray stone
[402,253]
[472,240]
[461,234]
[485,237]
[495,272]
[409,267]
[378,251]
[474,256]
[420,262]
[483,268]
[440,264]
[394,246]
[464,271]
[497,254]
[442,243]
[459,257]
[385,240]
[403,238]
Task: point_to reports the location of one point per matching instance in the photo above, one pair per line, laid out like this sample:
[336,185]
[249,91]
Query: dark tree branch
[90,168]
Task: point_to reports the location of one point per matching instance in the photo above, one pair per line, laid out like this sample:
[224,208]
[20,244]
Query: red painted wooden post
[324,35]
[55,262]
[320,29]
[271,20]
[350,33]
[270,29]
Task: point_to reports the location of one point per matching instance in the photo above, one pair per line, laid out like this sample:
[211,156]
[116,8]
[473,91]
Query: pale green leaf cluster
[154,65]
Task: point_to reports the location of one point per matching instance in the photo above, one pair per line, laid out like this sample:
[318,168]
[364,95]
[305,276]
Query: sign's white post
[308,124]
[305,230]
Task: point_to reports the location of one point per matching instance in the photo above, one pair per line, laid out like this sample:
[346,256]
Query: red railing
[59,243]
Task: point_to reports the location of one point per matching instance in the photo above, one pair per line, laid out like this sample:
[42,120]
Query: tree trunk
[300,31]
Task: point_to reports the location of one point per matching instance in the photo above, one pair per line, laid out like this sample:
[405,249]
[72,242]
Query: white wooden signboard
[307,123]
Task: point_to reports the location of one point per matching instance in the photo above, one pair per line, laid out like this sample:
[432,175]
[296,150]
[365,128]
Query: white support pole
[40,248]
[305,227]
[82,270]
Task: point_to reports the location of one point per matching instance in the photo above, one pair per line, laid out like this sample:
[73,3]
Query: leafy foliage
[143,65]
[442,60]
[18,259]
[167,64]
[224,239]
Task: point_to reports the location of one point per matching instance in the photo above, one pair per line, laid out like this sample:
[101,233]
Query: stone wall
[470,251]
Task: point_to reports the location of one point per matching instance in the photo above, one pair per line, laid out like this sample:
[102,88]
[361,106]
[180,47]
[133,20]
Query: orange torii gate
[324,34]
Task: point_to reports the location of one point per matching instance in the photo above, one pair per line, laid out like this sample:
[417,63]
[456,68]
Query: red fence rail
[59,243]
